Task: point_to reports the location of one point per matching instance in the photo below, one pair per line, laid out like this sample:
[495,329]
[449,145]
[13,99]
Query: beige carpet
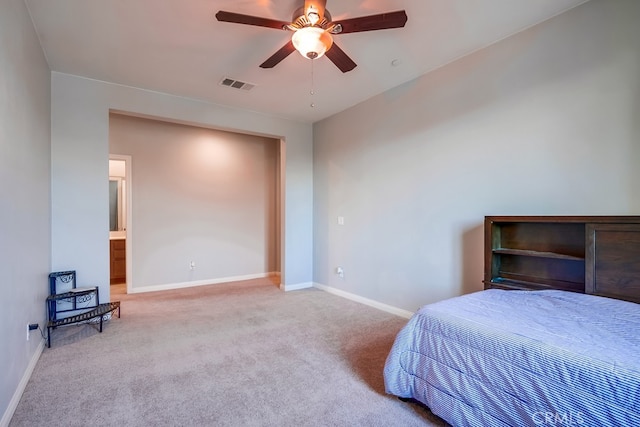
[241,354]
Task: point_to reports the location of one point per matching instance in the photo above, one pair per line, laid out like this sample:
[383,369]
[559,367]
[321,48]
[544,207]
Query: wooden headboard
[597,255]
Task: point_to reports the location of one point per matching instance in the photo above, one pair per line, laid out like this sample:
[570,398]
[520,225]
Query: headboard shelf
[523,282]
[538,254]
[589,254]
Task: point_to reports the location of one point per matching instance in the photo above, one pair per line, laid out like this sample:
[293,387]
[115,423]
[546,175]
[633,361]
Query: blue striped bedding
[522,358]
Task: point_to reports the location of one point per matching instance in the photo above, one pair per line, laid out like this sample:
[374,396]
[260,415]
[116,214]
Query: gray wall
[25,231]
[199,195]
[546,122]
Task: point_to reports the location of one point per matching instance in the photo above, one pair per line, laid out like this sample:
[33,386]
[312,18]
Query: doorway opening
[120,223]
[209,204]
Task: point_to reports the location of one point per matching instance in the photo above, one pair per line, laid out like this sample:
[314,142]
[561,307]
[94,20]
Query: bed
[508,356]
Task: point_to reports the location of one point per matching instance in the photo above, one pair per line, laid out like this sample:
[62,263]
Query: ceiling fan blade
[340,59]
[238,18]
[382,21]
[282,53]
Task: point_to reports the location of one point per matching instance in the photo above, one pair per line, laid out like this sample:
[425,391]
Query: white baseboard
[366,301]
[181,285]
[296,287]
[13,404]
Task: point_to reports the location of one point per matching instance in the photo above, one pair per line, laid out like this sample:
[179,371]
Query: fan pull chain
[311,92]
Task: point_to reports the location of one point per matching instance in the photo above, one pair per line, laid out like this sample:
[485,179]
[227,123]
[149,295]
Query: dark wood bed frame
[597,255]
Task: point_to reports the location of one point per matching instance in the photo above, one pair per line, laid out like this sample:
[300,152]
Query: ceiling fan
[313,30]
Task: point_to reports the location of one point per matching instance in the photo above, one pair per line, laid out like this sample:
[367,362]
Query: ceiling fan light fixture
[312,42]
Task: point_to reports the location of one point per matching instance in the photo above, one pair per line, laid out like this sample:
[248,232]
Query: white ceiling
[178,47]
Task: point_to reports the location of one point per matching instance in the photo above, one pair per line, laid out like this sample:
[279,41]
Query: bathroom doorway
[119,223]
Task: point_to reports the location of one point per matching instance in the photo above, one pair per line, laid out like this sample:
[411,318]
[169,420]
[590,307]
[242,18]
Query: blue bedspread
[520,358]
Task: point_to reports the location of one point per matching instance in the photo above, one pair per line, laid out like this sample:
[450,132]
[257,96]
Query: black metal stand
[65,297]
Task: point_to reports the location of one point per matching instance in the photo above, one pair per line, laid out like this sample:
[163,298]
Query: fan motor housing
[299,19]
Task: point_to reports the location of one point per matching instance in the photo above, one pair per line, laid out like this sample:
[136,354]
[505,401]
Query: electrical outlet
[31,327]
[192,265]
[340,271]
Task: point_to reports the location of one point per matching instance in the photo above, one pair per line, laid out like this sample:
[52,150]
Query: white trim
[366,301]
[296,287]
[181,285]
[13,404]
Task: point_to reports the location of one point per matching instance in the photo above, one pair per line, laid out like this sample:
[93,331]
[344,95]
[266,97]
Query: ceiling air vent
[236,84]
